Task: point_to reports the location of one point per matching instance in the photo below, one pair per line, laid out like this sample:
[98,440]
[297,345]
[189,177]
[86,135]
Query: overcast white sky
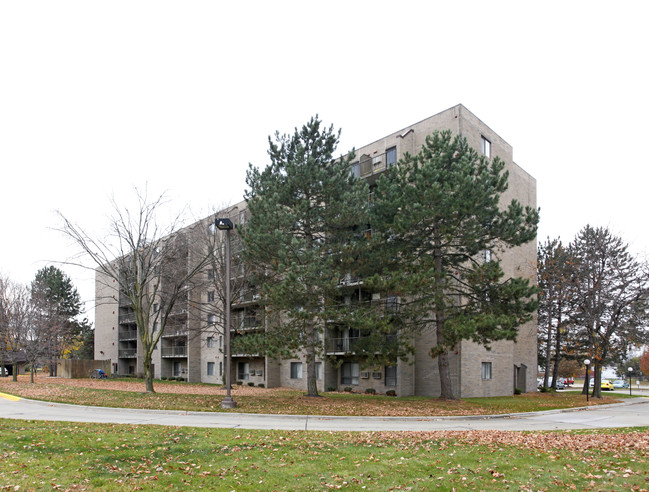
[97,98]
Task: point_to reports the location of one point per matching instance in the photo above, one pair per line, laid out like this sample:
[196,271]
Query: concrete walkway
[632,413]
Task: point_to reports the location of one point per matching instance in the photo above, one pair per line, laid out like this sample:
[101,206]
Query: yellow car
[607,385]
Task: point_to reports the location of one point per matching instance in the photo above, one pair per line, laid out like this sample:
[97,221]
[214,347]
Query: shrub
[261,385]
[544,389]
[391,393]
[348,389]
[239,383]
[163,378]
[517,391]
[331,388]
[370,391]
[251,384]
[180,379]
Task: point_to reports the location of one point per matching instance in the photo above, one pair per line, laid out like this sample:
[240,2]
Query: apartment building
[192,346]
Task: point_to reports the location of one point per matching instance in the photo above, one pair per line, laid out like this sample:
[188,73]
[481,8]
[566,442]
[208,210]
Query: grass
[55,455]
[201,397]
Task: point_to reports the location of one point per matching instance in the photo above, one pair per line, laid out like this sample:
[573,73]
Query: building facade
[192,347]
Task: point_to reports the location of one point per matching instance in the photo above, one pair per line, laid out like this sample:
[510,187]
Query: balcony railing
[343,345]
[350,345]
[127,354]
[127,335]
[175,331]
[179,351]
[126,319]
[246,297]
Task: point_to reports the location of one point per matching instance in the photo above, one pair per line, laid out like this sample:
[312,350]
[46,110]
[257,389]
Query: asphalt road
[632,413]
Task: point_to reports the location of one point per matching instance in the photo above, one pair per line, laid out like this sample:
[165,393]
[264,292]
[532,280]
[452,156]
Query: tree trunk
[557,355]
[548,350]
[148,375]
[446,387]
[597,377]
[15,372]
[311,381]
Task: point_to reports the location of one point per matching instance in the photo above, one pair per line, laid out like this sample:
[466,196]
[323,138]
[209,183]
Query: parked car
[569,381]
[620,383]
[607,385]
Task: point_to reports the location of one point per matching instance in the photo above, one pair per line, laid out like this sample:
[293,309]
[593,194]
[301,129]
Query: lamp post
[587,364]
[630,371]
[226,225]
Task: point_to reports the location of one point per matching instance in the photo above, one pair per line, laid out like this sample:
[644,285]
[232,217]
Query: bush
[517,391]
[544,389]
[331,388]
[370,391]
[239,383]
[180,379]
[251,384]
[348,389]
[391,393]
[261,385]
[163,378]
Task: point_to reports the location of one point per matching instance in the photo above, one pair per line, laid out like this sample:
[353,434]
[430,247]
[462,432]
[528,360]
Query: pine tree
[58,304]
[555,284]
[304,208]
[437,229]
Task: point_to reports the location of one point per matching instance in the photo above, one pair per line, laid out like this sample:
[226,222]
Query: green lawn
[54,455]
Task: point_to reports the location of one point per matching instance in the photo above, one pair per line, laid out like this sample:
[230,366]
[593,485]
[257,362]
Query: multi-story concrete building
[193,346]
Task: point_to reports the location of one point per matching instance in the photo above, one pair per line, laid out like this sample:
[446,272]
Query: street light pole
[226,225]
[630,371]
[587,364]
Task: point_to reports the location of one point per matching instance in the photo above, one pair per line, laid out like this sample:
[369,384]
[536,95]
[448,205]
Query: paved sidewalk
[632,413]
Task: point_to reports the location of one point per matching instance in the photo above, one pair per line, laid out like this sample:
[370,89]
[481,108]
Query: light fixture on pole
[630,371]
[226,225]
[587,364]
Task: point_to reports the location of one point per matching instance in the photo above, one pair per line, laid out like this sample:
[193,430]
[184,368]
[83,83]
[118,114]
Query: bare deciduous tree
[151,267]
[18,333]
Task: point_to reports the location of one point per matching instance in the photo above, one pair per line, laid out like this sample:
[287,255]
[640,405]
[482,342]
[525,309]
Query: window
[220,368]
[210,296]
[242,217]
[486,255]
[390,375]
[211,229]
[211,319]
[486,147]
[486,370]
[350,372]
[296,370]
[356,169]
[210,273]
[391,157]
[210,368]
[156,308]
[210,342]
[220,341]
[243,371]
[318,370]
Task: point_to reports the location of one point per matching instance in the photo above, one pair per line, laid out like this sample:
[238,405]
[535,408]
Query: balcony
[126,319]
[127,335]
[350,345]
[127,354]
[343,345]
[177,351]
[246,297]
[175,331]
